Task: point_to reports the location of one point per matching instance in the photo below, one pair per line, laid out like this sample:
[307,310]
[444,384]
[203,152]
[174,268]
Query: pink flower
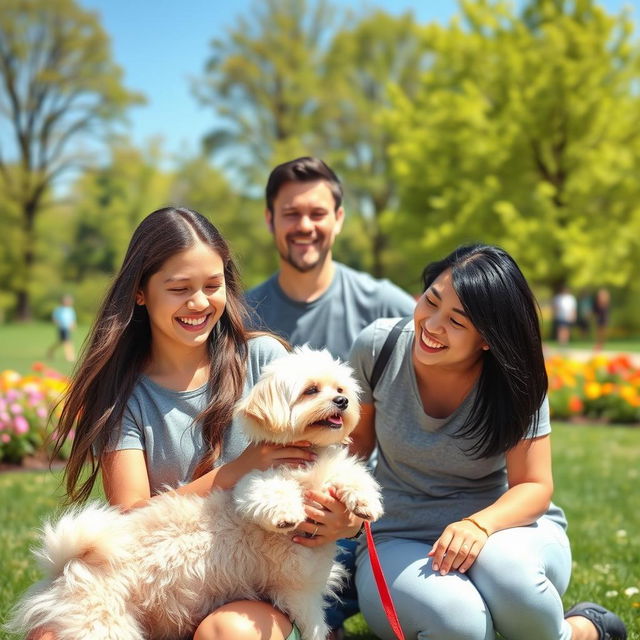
[41,412]
[21,425]
[5,438]
[35,399]
[5,417]
[16,409]
[12,395]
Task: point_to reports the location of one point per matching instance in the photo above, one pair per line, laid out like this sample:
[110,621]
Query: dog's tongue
[337,419]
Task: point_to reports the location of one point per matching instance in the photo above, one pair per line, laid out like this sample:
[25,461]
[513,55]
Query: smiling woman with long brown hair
[152,399]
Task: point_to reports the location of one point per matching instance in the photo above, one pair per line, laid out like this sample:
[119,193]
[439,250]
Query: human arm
[126,481]
[528,497]
[363,437]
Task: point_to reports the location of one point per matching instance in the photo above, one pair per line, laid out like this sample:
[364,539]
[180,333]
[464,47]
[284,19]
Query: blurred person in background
[64,317]
[601,309]
[565,310]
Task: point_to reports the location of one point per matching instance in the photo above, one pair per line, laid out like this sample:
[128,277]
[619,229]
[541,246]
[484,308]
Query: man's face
[305,223]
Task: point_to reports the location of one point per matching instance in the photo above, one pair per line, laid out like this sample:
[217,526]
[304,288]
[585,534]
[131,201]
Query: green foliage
[523,133]
[362,61]
[107,204]
[59,85]
[262,79]
[196,184]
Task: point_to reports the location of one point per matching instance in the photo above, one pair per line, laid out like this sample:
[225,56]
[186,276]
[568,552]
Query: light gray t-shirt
[428,480]
[160,422]
[352,301]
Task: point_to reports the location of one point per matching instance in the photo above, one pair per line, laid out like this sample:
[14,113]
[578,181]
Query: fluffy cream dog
[157,571]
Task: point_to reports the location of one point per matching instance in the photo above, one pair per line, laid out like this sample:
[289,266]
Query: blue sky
[162,44]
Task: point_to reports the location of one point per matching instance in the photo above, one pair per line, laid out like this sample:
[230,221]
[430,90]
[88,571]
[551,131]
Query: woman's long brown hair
[118,347]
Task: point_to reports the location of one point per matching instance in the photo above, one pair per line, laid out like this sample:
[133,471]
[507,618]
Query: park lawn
[615,345]
[596,476]
[23,344]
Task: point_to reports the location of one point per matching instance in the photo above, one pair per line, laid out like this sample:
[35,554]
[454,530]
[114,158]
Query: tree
[526,133]
[363,62]
[58,85]
[198,185]
[263,80]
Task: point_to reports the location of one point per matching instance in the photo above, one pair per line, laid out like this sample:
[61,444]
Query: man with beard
[312,299]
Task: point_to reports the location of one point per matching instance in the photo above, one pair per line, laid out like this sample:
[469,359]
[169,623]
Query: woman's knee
[244,620]
[438,608]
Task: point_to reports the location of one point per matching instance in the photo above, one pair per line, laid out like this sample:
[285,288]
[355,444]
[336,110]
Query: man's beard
[300,266]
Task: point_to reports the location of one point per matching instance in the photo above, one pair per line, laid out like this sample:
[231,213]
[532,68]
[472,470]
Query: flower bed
[28,411]
[605,389]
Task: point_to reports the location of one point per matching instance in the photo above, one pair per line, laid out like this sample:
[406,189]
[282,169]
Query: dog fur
[155,572]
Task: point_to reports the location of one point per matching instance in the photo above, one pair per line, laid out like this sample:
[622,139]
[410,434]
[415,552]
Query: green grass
[23,344]
[617,345]
[596,474]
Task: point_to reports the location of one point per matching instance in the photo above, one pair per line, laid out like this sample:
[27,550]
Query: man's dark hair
[305,169]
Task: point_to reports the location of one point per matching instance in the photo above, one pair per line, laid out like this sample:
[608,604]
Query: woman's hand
[328,520]
[263,456]
[458,547]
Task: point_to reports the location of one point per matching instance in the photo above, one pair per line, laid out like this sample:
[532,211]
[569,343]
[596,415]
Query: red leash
[381,583]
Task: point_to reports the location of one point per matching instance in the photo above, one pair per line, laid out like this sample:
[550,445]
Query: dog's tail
[92,535]
[83,539]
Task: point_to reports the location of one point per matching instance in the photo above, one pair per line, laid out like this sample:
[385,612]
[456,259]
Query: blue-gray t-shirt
[428,478]
[352,301]
[160,422]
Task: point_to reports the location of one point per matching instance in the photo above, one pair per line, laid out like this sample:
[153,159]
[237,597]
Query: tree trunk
[23,294]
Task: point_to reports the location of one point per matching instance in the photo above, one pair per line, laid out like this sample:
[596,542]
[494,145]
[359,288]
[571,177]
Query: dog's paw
[367,507]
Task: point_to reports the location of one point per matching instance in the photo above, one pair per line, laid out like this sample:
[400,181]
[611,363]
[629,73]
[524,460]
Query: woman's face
[185,298]
[444,333]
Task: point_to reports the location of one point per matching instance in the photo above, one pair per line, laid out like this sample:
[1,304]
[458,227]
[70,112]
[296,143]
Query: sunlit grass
[596,473]
[23,344]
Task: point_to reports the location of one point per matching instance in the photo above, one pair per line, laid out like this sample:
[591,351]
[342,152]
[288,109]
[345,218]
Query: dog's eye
[309,391]
[339,389]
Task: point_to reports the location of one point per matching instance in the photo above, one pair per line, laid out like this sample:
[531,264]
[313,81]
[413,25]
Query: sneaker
[609,626]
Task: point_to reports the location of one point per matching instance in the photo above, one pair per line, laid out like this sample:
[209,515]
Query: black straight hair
[305,169]
[501,306]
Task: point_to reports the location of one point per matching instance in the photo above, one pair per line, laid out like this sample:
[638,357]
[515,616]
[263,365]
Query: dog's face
[305,395]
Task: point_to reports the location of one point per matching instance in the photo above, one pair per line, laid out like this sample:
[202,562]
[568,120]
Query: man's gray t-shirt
[160,422]
[428,481]
[352,301]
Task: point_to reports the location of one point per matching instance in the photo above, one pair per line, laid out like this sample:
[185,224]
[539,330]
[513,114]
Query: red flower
[575,404]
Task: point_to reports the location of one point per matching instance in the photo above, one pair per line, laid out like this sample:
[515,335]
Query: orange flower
[575,404]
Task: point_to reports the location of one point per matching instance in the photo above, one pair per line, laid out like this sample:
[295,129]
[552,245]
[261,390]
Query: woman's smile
[194,323]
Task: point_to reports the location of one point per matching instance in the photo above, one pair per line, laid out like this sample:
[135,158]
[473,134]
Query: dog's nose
[341,402]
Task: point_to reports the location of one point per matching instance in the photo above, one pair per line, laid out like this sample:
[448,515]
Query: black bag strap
[387,348]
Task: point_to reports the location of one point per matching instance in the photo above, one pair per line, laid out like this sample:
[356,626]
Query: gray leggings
[513,588]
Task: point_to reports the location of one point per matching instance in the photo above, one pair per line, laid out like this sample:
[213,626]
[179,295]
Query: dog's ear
[265,412]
